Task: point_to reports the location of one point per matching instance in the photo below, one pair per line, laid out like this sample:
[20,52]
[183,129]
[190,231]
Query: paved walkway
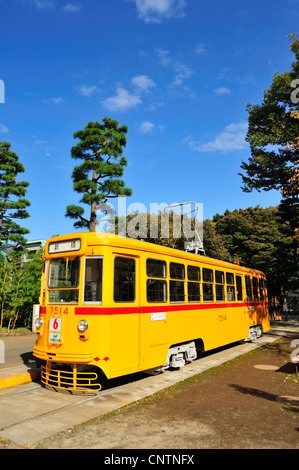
[45,413]
[27,372]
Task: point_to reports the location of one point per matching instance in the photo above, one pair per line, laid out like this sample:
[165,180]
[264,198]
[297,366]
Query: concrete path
[36,413]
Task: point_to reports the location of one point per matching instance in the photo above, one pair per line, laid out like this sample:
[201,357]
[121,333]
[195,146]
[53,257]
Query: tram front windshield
[64,280]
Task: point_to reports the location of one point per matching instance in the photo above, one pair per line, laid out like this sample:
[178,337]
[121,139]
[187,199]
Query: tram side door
[125,323]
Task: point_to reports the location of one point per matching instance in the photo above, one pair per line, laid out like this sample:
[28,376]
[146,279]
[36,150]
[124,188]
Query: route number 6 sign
[55,330]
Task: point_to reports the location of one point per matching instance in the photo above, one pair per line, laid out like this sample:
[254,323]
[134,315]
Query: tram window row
[185,283]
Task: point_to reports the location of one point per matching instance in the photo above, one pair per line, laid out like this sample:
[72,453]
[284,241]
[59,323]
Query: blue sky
[178,73]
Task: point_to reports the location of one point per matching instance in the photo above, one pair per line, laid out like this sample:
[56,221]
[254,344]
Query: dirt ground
[247,403]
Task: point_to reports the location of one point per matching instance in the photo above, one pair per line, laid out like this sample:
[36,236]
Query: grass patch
[16,332]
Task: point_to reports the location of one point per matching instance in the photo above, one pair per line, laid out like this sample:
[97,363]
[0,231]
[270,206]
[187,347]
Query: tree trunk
[15,308]
[17,315]
[93,212]
[2,296]
[3,212]
[2,313]
[8,326]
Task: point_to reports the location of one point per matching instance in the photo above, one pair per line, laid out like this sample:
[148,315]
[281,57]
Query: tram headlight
[82,325]
[38,322]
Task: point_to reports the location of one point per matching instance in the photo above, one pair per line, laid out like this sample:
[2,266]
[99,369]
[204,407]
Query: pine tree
[12,202]
[97,178]
[273,130]
[273,135]
[261,240]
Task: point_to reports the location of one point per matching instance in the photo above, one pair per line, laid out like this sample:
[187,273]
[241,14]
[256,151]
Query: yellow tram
[114,306]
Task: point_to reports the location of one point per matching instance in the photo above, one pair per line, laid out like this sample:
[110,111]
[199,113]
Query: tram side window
[239,288]
[207,286]
[265,289]
[193,274]
[177,287]
[230,281]
[248,288]
[177,271]
[219,279]
[93,280]
[155,268]
[255,288]
[156,289]
[261,289]
[124,279]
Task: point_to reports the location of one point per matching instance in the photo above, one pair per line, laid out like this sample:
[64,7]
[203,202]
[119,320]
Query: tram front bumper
[58,377]
[58,356]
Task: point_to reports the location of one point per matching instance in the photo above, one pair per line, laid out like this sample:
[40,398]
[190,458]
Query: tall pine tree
[97,178]
[273,131]
[12,202]
[273,134]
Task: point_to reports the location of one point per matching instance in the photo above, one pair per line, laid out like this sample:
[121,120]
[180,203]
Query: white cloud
[200,49]
[230,139]
[163,55]
[155,11]
[143,82]
[245,79]
[222,91]
[3,129]
[43,4]
[71,8]
[146,127]
[181,70]
[57,100]
[44,145]
[182,73]
[87,90]
[122,101]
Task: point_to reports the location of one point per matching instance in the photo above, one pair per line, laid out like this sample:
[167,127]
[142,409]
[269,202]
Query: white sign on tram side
[158,316]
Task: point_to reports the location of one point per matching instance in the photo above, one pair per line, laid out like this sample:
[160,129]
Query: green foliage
[214,243]
[260,239]
[272,129]
[148,227]
[12,202]
[97,177]
[19,288]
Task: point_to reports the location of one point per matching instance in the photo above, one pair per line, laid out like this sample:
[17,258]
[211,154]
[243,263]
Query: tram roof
[110,239]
